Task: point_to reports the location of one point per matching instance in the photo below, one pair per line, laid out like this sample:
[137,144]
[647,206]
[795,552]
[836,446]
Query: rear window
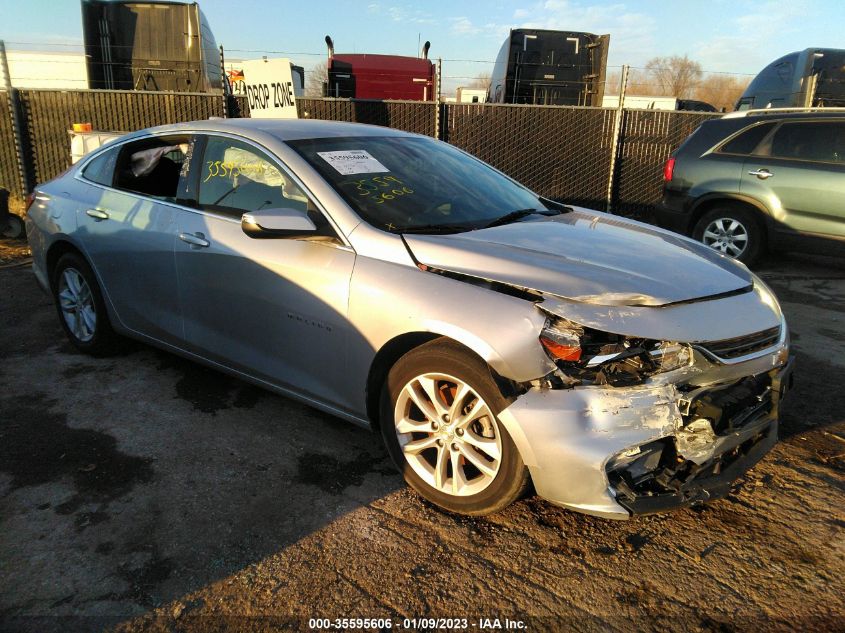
[101,169]
[747,141]
[152,166]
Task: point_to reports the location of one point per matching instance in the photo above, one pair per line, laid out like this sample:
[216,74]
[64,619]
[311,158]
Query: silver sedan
[495,339]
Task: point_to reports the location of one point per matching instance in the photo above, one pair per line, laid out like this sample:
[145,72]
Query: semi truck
[542,67]
[151,45]
[366,76]
[814,77]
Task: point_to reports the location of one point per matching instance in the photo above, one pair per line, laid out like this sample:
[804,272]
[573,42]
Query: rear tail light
[669,169]
[30,198]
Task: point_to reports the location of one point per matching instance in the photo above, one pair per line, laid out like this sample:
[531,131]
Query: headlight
[594,357]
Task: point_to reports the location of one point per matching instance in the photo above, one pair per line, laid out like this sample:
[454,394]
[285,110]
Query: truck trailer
[542,67]
[151,45]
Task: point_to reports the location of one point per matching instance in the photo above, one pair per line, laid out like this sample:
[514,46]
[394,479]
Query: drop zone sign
[269,89]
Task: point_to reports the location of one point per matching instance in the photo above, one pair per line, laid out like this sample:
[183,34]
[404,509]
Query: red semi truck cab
[365,76]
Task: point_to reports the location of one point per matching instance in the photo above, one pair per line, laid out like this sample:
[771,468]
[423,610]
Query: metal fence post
[437,88]
[14,115]
[225,84]
[614,144]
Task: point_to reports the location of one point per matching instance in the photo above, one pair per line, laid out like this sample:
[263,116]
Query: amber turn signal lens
[562,352]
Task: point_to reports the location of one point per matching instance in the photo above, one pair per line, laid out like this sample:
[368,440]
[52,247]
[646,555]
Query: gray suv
[755,180]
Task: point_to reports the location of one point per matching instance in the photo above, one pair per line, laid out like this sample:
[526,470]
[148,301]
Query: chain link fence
[9,176]
[561,152]
[49,114]
[419,117]
[647,138]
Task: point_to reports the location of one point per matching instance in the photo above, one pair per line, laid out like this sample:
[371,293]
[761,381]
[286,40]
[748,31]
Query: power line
[324,54]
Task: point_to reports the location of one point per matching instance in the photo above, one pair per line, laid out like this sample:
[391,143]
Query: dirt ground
[144,492]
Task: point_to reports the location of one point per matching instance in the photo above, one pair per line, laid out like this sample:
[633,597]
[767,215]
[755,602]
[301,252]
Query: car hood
[586,256]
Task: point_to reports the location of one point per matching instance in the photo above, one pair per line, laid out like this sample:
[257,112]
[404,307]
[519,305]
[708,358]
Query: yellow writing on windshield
[381,188]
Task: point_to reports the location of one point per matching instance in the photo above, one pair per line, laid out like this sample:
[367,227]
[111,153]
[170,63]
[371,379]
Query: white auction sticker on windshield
[355,161]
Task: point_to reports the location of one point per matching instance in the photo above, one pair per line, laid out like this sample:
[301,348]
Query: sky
[728,36]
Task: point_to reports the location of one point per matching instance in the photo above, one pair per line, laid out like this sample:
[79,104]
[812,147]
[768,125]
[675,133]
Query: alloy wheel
[726,235]
[448,434]
[77,305]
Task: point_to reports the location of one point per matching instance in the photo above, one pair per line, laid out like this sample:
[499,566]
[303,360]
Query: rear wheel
[82,311]
[439,423]
[731,230]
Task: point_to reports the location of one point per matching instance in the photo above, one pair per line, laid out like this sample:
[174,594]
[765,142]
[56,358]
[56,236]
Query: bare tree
[722,91]
[315,78]
[674,76]
[481,82]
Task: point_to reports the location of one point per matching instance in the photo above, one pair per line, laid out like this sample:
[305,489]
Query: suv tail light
[669,169]
[30,198]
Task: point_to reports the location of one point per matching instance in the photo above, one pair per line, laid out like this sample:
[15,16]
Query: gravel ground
[144,492]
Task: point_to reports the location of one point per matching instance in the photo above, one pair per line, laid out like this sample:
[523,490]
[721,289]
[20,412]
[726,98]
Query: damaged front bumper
[616,452]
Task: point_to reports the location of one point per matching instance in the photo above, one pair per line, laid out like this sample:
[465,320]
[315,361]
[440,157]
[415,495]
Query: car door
[275,309]
[799,173]
[126,228]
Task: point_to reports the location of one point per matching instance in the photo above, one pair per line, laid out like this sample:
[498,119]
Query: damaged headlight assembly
[585,356]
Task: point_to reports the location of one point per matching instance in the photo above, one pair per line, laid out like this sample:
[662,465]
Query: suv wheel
[733,231]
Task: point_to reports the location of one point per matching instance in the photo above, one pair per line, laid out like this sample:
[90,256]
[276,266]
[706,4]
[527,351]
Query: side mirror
[277,223]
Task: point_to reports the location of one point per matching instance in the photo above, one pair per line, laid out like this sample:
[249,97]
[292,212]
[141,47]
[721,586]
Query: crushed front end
[724,431]
[633,423]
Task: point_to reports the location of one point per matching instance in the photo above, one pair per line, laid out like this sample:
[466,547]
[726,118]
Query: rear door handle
[194,239]
[97,214]
[762,174]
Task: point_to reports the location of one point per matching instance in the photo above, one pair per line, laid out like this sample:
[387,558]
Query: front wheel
[438,421]
[731,230]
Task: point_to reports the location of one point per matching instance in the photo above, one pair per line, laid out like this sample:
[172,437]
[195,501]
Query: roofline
[275,128]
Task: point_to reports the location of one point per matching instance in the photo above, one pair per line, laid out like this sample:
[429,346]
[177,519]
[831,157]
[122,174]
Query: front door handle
[98,214]
[762,174]
[194,239]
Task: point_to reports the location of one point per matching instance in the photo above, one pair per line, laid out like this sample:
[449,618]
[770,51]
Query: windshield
[409,184]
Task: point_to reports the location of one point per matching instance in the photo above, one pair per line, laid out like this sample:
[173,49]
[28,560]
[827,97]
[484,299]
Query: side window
[811,141]
[748,140]
[101,169]
[153,166]
[237,177]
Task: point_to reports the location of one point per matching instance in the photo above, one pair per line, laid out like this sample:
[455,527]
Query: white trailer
[640,102]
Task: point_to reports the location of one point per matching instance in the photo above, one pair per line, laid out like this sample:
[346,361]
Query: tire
[446,370]
[14,227]
[732,230]
[80,306]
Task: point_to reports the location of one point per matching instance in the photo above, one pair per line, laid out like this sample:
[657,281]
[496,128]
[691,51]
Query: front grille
[743,345]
